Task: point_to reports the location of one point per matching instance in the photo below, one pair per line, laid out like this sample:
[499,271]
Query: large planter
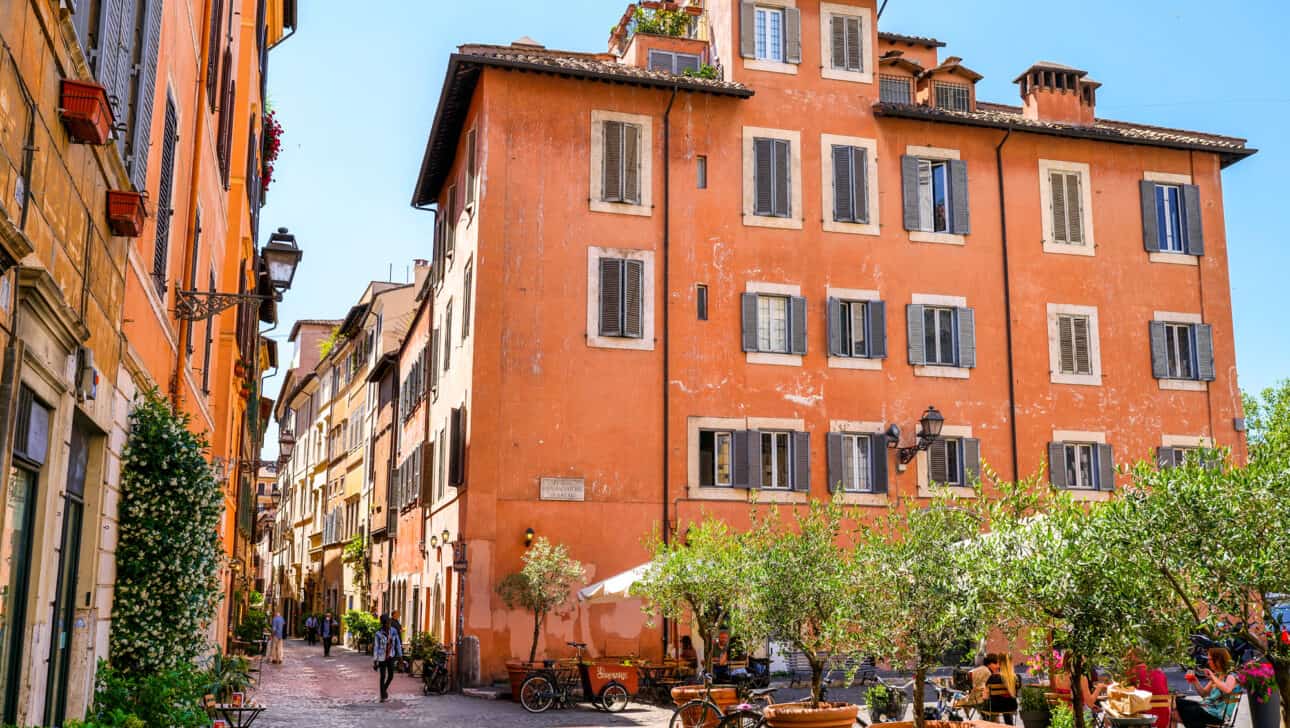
[943,724]
[801,715]
[516,671]
[1266,713]
[125,213]
[85,111]
[1036,718]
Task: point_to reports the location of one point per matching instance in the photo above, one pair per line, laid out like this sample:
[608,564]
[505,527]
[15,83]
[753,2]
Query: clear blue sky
[356,90]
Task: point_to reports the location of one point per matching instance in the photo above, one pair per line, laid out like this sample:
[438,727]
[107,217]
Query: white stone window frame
[1093,379]
[849,362]
[594,339]
[1082,437]
[867,59]
[794,138]
[1170,178]
[1186,441]
[757,64]
[646,123]
[939,370]
[937,154]
[776,289]
[1175,317]
[1046,168]
[871,429]
[725,492]
[827,142]
[924,467]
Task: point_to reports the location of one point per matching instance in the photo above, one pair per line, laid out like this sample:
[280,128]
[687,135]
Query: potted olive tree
[541,586]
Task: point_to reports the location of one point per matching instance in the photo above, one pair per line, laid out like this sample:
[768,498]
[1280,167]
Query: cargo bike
[606,686]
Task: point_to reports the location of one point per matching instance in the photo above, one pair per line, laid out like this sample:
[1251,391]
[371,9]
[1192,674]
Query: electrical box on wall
[87,377]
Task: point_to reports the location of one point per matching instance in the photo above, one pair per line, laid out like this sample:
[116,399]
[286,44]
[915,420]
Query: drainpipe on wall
[667,300]
[1007,306]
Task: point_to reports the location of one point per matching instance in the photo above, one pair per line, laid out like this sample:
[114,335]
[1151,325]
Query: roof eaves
[917,40]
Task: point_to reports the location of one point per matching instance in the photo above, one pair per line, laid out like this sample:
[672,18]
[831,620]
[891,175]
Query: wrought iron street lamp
[278,261]
[929,430]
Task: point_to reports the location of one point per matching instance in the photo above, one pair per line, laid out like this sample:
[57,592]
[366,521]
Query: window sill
[919,236]
[621,208]
[1174,258]
[779,223]
[1088,496]
[753,64]
[942,372]
[619,342]
[851,228]
[1069,249]
[958,491]
[782,360]
[840,74]
[846,362]
[864,499]
[756,495]
[1084,380]
[1184,385]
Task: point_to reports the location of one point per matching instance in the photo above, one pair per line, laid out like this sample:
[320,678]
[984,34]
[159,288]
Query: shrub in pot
[541,586]
[1034,707]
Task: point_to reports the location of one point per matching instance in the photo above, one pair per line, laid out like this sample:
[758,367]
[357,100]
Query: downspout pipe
[667,299]
[1007,306]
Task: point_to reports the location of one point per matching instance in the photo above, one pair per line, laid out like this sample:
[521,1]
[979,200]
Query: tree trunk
[537,625]
[1281,669]
[705,634]
[920,684]
[1076,667]
[817,678]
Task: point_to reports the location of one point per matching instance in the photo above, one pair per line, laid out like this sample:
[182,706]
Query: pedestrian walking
[275,643]
[326,629]
[311,630]
[387,648]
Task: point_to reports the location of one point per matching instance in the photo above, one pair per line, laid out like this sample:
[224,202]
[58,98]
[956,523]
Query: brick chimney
[1053,92]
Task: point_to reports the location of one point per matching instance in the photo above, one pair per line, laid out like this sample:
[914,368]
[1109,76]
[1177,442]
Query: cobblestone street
[341,692]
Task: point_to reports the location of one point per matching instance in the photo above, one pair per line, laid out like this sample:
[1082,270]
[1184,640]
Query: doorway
[69,560]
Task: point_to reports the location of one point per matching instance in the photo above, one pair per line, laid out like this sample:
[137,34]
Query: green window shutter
[792,35]
[909,191]
[966,320]
[763,176]
[878,462]
[876,336]
[633,299]
[1159,350]
[834,322]
[1195,244]
[611,297]
[739,461]
[146,91]
[1150,228]
[844,203]
[838,34]
[797,325]
[914,334]
[802,461]
[612,166]
[1204,352]
[1057,464]
[1105,467]
[961,224]
[748,29]
[631,164]
[971,460]
[834,443]
[748,306]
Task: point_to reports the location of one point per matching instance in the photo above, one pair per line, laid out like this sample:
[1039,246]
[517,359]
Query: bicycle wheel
[537,693]
[743,719]
[439,683]
[614,697]
[696,714]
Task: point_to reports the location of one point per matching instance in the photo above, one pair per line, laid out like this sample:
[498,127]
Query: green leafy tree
[355,557]
[171,505]
[798,587]
[916,569]
[695,577]
[542,585]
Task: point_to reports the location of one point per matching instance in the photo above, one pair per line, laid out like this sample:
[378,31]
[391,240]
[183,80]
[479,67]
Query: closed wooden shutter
[909,192]
[834,442]
[748,319]
[1080,346]
[1150,226]
[224,140]
[971,460]
[739,459]
[802,461]
[471,162]
[834,321]
[1057,464]
[192,275]
[860,182]
[763,176]
[631,164]
[1057,180]
[876,320]
[782,181]
[1204,352]
[612,172]
[633,298]
[161,244]
[792,35]
[457,456]
[1105,467]
[1195,243]
[145,91]
[84,34]
[214,25]
[748,30]
[855,45]
[611,297]
[450,229]
[838,36]
[1159,350]
[124,51]
[467,294]
[105,57]
[914,333]
[752,459]
[938,462]
[206,347]
[966,320]
[844,207]
[878,462]
[797,325]
[961,224]
[1075,209]
[1066,344]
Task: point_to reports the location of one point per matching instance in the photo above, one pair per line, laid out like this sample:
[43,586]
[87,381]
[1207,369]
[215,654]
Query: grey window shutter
[753,459]
[792,35]
[844,207]
[783,181]
[838,33]
[860,176]
[472,160]
[1057,182]
[1159,350]
[633,298]
[802,461]
[959,197]
[81,20]
[909,191]
[797,325]
[164,209]
[876,319]
[747,29]
[1075,203]
[612,187]
[834,320]
[1057,464]
[971,460]
[1150,228]
[855,60]
[106,57]
[1194,221]
[739,459]
[878,461]
[937,462]
[611,296]
[763,176]
[632,164]
[147,83]
[966,320]
[661,61]
[1105,468]
[1165,457]
[1204,352]
[457,456]
[833,447]
[129,32]
[748,304]
[914,334]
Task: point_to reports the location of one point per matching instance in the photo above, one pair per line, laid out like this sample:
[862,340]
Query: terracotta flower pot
[801,715]
[85,111]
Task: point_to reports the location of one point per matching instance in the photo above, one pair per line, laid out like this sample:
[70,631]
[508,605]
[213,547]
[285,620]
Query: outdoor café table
[239,716]
[1130,721]
[658,678]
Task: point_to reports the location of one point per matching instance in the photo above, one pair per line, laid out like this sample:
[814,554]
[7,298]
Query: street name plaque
[563,489]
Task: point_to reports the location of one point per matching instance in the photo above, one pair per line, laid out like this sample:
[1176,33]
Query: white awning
[613,588]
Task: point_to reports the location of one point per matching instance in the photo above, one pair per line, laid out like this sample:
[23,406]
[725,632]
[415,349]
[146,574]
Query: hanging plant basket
[125,213]
[85,111]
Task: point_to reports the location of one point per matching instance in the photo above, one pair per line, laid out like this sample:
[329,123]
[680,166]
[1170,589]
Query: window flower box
[85,111]
[125,213]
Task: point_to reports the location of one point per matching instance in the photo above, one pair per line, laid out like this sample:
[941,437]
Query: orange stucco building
[657,295]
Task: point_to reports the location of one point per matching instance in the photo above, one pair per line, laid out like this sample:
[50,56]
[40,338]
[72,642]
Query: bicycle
[894,707]
[748,714]
[436,679]
[554,684]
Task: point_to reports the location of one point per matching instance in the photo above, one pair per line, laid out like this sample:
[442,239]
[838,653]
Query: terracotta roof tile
[911,39]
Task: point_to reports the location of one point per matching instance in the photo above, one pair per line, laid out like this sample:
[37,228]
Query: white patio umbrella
[613,588]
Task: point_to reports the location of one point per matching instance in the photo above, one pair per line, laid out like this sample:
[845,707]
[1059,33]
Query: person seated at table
[980,674]
[1000,688]
[1153,680]
[1218,685]
[689,658]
